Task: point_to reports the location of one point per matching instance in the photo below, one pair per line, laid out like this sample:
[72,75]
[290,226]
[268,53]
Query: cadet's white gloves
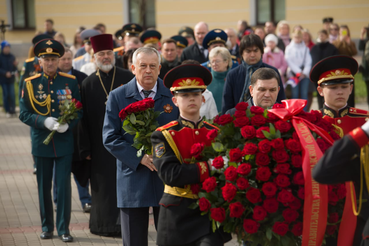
[61,128]
[50,123]
[365,127]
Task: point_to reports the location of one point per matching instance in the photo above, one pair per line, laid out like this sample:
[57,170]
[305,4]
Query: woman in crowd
[221,63]
[61,39]
[77,41]
[283,32]
[364,46]
[274,56]
[306,37]
[333,32]
[127,59]
[299,62]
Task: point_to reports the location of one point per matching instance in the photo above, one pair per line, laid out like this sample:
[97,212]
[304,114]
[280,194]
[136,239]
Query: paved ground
[19,208]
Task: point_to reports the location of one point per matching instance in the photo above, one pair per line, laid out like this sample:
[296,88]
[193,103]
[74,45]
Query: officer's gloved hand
[365,127]
[61,128]
[50,122]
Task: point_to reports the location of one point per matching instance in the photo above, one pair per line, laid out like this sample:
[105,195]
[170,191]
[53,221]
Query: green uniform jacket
[30,68]
[62,86]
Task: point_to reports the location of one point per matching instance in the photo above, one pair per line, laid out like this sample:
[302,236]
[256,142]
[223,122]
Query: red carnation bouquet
[68,113]
[256,188]
[140,119]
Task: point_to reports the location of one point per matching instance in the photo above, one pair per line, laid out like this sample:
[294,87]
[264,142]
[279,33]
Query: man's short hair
[323,31]
[67,49]
[251,40]
[168,41]
[99,25]
[264,73]
[50,21]
[146,50]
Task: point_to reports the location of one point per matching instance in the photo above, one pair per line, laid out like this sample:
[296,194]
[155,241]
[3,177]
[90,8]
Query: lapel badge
[168,108]
[40,87]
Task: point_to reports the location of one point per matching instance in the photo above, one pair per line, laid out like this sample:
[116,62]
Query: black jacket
[193,52]
[322,50]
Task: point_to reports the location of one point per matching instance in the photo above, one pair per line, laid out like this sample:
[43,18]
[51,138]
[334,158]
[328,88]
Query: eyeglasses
[216,61]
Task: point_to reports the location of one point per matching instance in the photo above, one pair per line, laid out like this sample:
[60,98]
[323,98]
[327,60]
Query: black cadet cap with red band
[102,42]
[334,70]
[48,47]
[187,78]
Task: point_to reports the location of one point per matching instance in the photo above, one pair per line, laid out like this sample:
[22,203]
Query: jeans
[83,192]
[301,90]
[8,97]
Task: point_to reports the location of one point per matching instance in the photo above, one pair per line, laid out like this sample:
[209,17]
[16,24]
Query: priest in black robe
[95,90]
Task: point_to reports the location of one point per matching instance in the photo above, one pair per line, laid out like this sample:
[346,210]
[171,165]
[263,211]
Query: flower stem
[49,137]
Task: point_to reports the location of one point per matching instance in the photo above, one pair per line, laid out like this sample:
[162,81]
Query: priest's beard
[105,68]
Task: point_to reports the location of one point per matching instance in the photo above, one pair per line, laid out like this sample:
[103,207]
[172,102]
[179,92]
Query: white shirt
[153,90]
[208,108]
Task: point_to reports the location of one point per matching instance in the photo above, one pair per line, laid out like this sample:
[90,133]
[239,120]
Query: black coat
[165,67]
[193,52]
[322,50]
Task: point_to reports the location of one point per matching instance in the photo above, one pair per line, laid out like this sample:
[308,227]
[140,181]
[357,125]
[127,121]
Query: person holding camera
[364,67]
[299,64]
[347,47]
[8,70]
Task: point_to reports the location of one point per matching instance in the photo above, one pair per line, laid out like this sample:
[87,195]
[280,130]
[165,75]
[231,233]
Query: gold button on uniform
[51,83]
[173,133]
[197,132]
[339,121]
[53,110]
[51,91]
[52,100]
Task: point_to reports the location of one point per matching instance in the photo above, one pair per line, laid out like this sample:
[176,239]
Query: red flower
[240,113]
[244,169]
[250,226]
[333,218]
[278,143]
[248,132]
[212,134]
[301,193]
[263,173]
[341,191]
[218,162]
[280,156]
[77,103]
[196,149]
[264,146]
[325,125]
[297,229]
[253,195]
[236,210]
[230,173]
[280,228]
[298,178]
[250,149]
[223,119]
[195,188]
[296,160]
[241,122]
[283,126]
[259,213]
[296,204]
[204,204]
[269,189]
[334,135]
[229,191]
[293,145]
[257,110]
[242,183]
[235,155]
[258,120]
[323,145]
[283,169]
[295,136]
[278,105]
[217,214]
[271,205]
[242,106]
[282,180]
[209,184]
[123,114]
[331,229]
[260,133]
[272,117]
[332,198]
[285,197]
[262,159]
[290,215]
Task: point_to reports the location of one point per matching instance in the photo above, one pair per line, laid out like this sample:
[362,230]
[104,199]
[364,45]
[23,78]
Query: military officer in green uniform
[39,108]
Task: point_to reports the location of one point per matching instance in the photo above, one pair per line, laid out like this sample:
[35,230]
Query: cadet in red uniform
[178,224]
[335,77]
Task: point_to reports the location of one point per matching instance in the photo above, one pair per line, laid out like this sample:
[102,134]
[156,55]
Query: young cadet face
[188,103]
[265,92]
[50,64]
[251,55]
[336,95]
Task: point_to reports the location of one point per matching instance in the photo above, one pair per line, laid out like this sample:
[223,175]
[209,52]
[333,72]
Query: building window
[270,10]
[142,12]
[23,14]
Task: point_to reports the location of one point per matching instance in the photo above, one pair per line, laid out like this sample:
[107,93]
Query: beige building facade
[169,15]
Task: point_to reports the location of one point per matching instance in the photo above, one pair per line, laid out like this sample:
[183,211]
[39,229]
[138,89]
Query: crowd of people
[108,72]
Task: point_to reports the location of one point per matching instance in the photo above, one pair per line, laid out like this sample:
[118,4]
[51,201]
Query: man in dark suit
[196,51]
[138,184]
[236,87]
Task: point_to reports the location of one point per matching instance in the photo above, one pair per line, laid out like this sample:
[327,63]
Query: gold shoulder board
[67,75]
[33,77]
[170,124]
[30,59]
